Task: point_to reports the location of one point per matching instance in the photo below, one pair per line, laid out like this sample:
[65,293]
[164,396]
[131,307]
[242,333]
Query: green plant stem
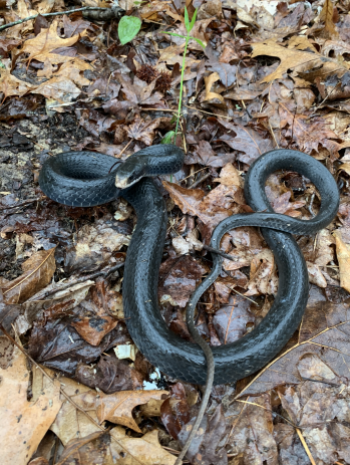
[181,87]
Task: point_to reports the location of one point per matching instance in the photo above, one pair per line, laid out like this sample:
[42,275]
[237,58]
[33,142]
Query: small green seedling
[128,28]
[189,26]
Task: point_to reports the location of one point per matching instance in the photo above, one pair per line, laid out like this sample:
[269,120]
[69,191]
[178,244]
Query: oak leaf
[117,407]
[10,85]
[42,47]
[28,420]
[303,60]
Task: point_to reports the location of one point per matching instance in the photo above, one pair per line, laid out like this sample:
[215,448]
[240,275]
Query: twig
[196,183]
[307,450]
[245,297]
[190,175]
[68,12]
[223,254]
[320,381]
[82,279]
[20,204]
[207,112]
[324,100]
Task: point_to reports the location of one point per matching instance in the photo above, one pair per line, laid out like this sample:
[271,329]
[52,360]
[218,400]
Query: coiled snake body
[83,179]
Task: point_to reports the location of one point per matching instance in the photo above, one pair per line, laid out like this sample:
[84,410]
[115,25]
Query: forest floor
[74,388]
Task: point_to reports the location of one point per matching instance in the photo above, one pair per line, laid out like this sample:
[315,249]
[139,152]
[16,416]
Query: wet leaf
[320,353]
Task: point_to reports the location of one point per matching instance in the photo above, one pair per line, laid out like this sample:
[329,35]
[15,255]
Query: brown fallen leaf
[10,85]
[308,133]
[210,96]
[245,140]
[315,275]
[301,60]
[251,435]
[117,407]
[263,276]
[179,277]
[326,16]
[42,46]
[144,131]
[103,447]
[58,89]
[205,155]
[27,420]
[207,447]
[95,319]
[343,255]
[95,245]
[38,271]
[321,353]
[109,375]
[232,320]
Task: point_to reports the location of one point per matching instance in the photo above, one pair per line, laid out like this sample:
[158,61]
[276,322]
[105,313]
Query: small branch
[82,279]
[217,251]
[20,21]
[199,181]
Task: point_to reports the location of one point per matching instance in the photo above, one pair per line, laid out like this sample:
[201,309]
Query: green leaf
[167,139]
[193,20]
[128,28]
[187,21]
[202,44]
[173,34]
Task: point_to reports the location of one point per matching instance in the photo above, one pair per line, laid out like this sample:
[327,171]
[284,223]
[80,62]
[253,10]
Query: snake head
[130,173]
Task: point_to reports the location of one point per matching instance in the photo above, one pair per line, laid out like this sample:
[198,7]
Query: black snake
[84,179]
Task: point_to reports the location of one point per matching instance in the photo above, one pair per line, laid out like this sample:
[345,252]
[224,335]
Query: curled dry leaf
[117,408]
[343,255]
[212,97]
[38,272]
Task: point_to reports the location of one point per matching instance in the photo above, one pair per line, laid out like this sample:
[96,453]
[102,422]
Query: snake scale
[84,179]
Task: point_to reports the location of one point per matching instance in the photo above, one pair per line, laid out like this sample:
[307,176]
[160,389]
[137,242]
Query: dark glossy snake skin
[82,179]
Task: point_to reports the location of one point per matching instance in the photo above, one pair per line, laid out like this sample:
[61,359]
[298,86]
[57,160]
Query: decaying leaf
[111,446]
